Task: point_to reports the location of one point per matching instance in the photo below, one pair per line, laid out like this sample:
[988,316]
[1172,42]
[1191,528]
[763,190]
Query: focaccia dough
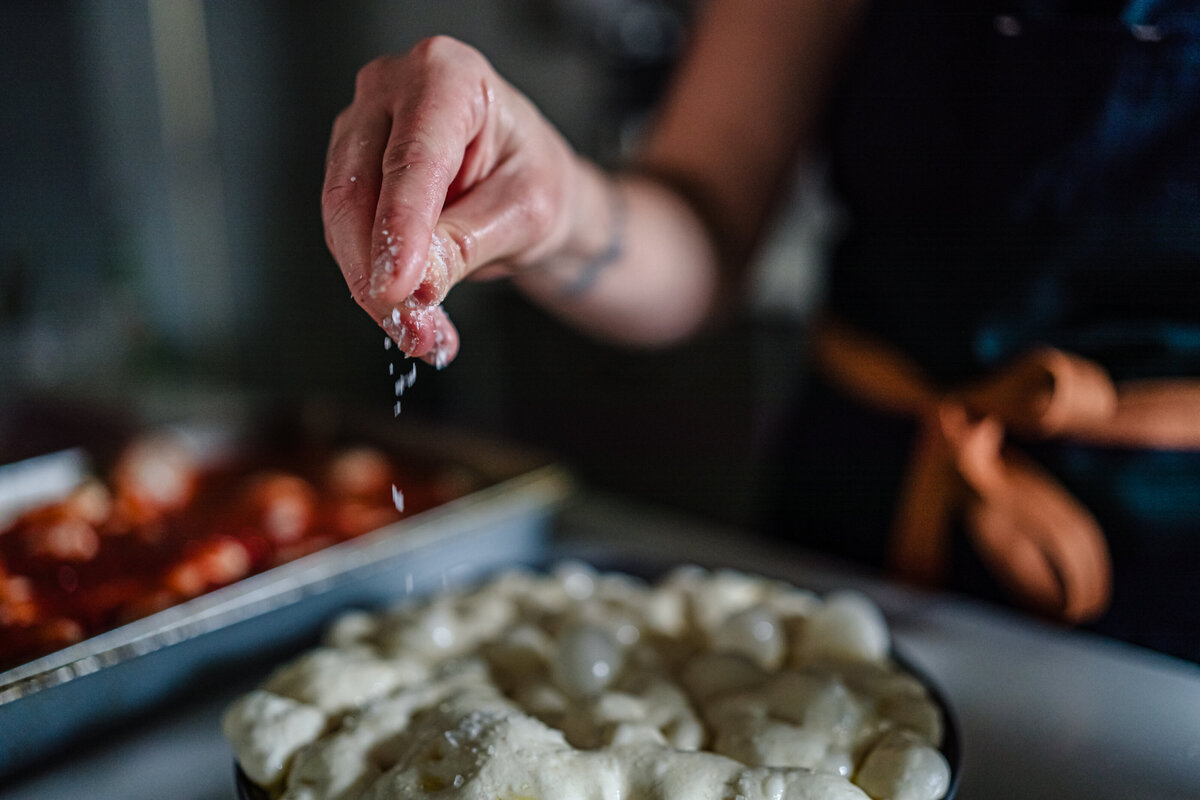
[585,686]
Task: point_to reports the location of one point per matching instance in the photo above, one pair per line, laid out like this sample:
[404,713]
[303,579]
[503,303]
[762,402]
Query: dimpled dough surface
[576,685]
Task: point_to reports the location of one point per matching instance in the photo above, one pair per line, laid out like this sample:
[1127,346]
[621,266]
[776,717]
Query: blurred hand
[437,170]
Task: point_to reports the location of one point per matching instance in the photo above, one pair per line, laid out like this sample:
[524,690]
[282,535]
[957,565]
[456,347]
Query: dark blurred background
[161,242]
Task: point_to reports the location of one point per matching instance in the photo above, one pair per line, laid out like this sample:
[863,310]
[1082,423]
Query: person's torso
[1019,173]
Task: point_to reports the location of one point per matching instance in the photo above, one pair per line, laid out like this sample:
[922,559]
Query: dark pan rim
[951,748]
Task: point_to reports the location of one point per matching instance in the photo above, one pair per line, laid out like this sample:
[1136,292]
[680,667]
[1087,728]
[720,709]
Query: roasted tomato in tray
[165,527]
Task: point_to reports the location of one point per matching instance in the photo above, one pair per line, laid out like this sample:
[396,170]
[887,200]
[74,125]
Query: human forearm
[439,170]
[746,102]
[639,269]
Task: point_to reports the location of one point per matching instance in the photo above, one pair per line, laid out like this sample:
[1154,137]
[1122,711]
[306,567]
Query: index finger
[392,159]
[417,170]
[350,195]
[422,160]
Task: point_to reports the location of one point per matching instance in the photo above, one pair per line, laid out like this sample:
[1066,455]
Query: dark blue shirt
[1021,173]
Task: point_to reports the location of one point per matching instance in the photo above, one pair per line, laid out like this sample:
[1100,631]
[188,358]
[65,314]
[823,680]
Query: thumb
[505,220]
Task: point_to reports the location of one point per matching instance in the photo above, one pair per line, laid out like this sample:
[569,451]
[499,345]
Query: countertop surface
[1042,712]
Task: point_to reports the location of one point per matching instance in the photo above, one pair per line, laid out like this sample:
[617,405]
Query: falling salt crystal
[398,500]
[391,366]
[387,343]
[353,178]
[396,409]
[458,781]
[396,316]
[406,381]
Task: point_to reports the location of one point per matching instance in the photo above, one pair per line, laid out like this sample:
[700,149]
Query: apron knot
[1037,539]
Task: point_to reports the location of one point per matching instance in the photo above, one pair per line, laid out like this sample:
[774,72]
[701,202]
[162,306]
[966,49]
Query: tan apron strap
[1034,535]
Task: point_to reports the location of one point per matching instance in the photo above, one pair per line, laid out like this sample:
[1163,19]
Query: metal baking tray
[95,684]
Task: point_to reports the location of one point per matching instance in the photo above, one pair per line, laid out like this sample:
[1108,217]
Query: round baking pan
[246,788]
[951,746]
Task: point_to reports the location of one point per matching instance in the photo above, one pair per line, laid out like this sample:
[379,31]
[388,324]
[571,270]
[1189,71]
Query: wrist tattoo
[613,251]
